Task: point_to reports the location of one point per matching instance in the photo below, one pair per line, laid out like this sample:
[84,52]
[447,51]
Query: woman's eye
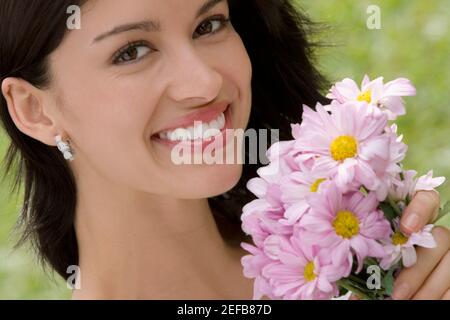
[132,52]
[211,26]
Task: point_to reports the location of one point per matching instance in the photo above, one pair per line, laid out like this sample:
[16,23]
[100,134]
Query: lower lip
[200,143]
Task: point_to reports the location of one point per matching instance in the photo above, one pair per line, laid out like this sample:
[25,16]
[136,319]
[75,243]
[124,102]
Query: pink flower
[284,153]
[282,162]
[427,182]
[402,247]
[301,271]
[402,185]
[260,219]
[347,224]
[351,146]
[253,265]
[264,216]
[296,187]
[317,206]
[388,169]
[408,185]
[375,94]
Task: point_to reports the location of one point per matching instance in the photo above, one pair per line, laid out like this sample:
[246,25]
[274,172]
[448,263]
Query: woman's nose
[193,78]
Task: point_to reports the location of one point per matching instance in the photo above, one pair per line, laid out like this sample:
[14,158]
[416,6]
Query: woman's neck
[135,245]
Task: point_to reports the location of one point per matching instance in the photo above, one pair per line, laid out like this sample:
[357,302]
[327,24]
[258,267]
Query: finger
[422,209]
[446,296]
[437,283]
[410,279]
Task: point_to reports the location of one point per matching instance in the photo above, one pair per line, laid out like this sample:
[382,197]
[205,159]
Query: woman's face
[166,64]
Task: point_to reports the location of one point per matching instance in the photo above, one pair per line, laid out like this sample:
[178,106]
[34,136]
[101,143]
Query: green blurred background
[414,42]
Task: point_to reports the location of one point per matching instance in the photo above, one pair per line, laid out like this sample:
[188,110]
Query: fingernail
[401,291]
[412,221]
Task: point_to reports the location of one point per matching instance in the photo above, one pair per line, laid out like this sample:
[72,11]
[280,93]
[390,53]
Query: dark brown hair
[284,78]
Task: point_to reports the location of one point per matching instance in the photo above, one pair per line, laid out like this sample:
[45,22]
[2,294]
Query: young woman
[136,224]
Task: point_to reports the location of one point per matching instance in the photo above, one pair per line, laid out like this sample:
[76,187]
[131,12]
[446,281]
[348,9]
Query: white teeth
[199,131]
[221,120]
[191,132]
[214,124]
[211,132]
[179,134]
[163,135]
[205,127]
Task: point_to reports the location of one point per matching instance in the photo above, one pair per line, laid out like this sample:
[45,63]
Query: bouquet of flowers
[329,202]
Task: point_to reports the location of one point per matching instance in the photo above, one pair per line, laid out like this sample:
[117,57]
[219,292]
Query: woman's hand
[429,278]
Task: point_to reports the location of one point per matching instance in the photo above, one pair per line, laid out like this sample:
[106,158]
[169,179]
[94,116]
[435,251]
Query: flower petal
[409,256]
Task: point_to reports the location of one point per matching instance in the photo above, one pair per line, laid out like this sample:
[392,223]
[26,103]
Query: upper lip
[205,115]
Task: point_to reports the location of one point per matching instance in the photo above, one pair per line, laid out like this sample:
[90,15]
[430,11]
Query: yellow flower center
[343,147]
[346,224]
[316,184]
[366,96]
[399,238]
[308,273]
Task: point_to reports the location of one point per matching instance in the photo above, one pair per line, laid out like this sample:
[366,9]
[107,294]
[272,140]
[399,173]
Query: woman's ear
[28,111]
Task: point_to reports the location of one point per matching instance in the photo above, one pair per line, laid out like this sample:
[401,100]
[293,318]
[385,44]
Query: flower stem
[344,284]
[394,206]
[356,279]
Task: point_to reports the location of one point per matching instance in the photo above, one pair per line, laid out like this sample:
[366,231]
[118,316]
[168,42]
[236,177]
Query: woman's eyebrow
[143,25]
[207,6]
[152,26]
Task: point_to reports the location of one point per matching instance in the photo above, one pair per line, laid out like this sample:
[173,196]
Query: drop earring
[64,147]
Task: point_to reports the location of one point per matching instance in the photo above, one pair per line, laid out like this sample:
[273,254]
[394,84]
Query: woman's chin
[212,181]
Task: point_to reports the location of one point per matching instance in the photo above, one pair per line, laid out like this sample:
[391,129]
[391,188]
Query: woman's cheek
[238,68]
[236,61]
[111,130]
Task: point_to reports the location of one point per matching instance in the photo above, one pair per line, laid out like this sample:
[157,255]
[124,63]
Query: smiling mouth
[198,131]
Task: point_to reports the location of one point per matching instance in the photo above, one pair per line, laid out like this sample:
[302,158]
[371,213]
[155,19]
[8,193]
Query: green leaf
[388,282]
[350,286]
[388,211]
